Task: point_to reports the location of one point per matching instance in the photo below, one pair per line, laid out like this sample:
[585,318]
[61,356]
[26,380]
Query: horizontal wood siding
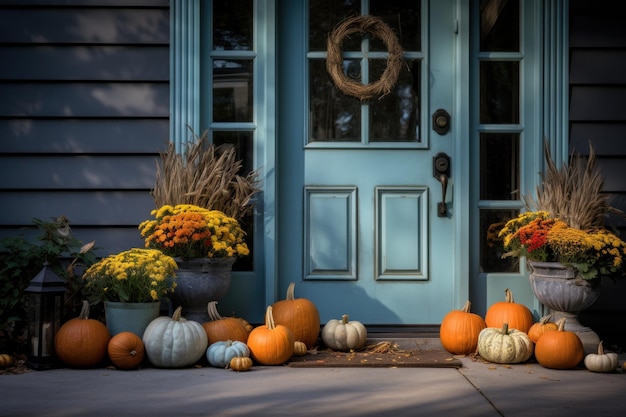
[84,111]
[598,116]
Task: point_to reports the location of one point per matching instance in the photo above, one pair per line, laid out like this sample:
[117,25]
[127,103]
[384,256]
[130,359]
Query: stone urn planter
[558,287]
[199,281]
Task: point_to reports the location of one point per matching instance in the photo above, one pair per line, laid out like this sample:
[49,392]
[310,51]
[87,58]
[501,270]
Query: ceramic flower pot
[130,317]
[199,281]
[558,288]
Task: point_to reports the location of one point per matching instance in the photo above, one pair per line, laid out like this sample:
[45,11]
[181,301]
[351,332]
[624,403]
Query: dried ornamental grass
[573,192]
[205,176]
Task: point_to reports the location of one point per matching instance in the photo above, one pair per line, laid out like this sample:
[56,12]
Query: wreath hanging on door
[334,62]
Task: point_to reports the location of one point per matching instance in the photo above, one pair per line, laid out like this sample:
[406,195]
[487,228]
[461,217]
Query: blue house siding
[84,111]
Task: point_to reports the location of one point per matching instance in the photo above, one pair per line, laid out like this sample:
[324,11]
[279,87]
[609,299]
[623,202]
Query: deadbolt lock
[441,121]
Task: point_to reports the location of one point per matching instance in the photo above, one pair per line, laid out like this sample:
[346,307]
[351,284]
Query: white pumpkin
[601,361]
[344,335]
[174,342]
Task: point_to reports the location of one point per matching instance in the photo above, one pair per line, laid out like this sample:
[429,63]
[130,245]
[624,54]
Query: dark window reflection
[491,248]
[404,18]
[499,92]
[499,166]
[232,90]
[244,150]
[324,15]
[395,117]
[334,115]
[232,25]
[499,25]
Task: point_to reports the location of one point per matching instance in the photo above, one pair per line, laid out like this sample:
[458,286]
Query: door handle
[442,208]
[441,171]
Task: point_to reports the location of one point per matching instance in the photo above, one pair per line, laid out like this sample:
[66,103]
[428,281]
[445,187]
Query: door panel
[359,228]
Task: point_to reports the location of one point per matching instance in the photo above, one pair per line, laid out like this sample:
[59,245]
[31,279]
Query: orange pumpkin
[459,330]
[81,341]
[518,316]
[542,326]
[300,315]
[220,329]
[271,343]
[126,350]
[559,349]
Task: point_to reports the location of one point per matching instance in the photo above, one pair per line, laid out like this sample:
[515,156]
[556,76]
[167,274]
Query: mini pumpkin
[300,315]
[174,342]
[271,343]
[5,360]
[219,354]
[344,335]
[516,315]
[543,325]
[220,328]
[504,345]
[240,364]
[126,350]
[559,349]
[299,348]
[81,341]
[601,361]
[459,330]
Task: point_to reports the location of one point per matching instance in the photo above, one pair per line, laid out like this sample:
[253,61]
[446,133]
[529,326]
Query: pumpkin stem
[466,307]
[508,296]
[212,309]
[600,348]
[291,291]
[561,324]
[84,311]
[344,319]
[177,313]
[269,318]
[545,319]
[505,328]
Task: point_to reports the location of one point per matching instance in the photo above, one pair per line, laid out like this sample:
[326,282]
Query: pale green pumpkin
[219,354]
[504,345]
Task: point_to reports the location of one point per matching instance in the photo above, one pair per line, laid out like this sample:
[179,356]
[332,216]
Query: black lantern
[46,294]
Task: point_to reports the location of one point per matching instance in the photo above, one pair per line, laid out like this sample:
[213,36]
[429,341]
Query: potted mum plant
[205,244]
[131,284]
[203,200]
[565,243]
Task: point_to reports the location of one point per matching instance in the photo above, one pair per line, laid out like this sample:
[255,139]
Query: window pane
[324,15]
[404,18]
[499,25]
[232,90]
[395,117]
[334,115]
[491,248]
[244,150]
[232,25]
[499,166]
[499,92]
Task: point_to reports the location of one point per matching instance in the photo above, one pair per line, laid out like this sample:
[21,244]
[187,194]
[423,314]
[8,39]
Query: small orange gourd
[219,329]
[240,364]
[299,348]
[82,342]
[459,330]
[518,316]
[300,315]
[126,350]
[5,360]
[559,349]
[543,325]
[271,343]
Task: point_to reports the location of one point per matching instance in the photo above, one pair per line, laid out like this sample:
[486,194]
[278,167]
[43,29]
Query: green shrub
[21,258]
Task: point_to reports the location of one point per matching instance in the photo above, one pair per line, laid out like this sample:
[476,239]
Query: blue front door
[370,212]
